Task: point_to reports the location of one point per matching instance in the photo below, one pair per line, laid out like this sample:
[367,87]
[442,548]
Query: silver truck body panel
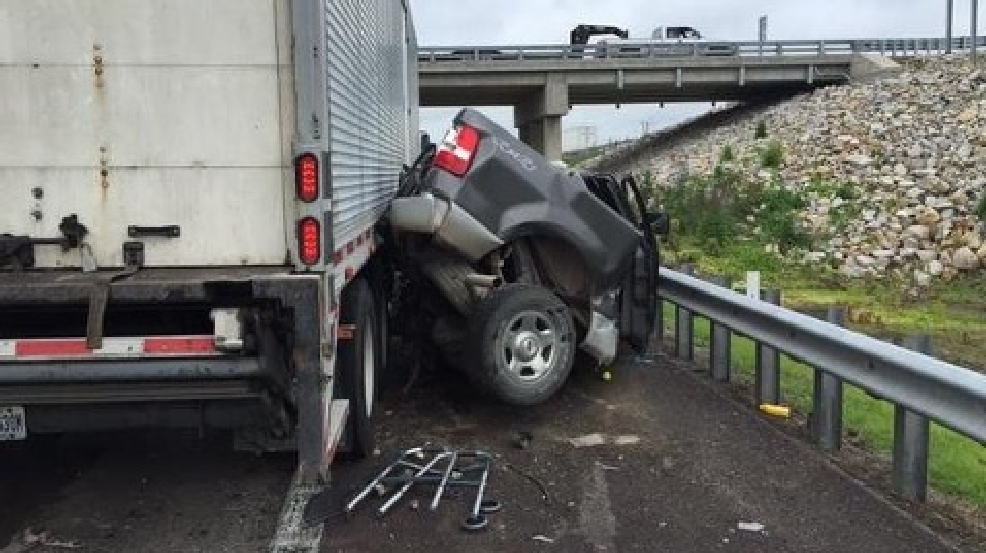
[370,115]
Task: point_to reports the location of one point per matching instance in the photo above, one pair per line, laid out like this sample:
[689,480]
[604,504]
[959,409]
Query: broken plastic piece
[589,440]
[776,410]
[750,526]
[628,439]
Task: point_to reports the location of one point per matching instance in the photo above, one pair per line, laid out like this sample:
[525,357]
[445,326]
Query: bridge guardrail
[649,49]
[921,387]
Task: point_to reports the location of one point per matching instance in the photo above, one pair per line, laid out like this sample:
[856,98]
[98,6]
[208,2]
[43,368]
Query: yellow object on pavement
[776,410]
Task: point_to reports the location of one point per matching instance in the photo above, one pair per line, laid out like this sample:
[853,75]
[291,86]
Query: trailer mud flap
[99,297]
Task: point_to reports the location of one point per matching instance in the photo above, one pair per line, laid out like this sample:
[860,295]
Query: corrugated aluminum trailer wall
[370,55]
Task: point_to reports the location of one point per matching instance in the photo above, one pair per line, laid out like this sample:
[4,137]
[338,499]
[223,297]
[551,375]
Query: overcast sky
[520,22]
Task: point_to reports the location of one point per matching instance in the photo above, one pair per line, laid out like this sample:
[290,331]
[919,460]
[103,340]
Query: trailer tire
[359,366]
[523,341]
[383,340]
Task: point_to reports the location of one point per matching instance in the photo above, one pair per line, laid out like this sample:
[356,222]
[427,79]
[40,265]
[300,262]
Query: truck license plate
[13,424]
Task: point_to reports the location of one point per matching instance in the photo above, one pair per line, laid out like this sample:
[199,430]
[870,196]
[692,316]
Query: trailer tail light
[306,177]
[309,241]
[457,151]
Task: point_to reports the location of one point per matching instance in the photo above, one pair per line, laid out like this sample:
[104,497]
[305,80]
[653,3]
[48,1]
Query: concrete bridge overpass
[542,83]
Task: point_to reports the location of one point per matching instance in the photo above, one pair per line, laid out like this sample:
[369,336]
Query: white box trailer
[188,196]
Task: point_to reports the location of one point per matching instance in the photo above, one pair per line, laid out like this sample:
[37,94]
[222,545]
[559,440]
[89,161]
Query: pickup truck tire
[358,366]
[523,343]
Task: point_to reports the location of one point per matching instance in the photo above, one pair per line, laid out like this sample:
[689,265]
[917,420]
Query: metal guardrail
[887,47]
[921,387]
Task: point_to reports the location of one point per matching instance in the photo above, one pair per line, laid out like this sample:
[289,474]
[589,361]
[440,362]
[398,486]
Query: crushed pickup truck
[512,265]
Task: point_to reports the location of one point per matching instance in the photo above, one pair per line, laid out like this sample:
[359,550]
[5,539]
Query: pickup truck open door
[639,302]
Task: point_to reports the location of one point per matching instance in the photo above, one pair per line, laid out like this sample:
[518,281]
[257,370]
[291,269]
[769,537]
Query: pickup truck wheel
[358,366]
[523,338]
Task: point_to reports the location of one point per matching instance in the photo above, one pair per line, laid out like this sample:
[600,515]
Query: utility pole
[763,31]
[972,28]
[948,27]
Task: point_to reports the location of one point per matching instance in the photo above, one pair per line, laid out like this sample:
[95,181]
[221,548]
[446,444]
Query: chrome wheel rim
[528,348]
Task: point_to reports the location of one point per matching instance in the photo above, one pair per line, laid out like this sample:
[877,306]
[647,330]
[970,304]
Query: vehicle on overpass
[582,33]
[188,227]
[666,41]
[534,263]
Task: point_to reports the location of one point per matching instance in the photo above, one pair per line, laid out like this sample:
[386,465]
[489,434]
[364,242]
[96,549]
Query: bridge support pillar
[538,118]
[544,135]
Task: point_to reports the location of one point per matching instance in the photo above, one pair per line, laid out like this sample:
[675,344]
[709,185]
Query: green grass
[956,464]
[950,312]
[772,156]
[761,131]
[577,157]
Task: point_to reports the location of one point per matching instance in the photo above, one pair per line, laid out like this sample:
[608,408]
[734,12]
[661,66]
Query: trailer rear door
[148,113]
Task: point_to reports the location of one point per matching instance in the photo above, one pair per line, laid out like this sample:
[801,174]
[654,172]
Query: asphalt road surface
[680,467]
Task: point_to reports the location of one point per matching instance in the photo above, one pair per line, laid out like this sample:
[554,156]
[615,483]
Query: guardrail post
[767,378]
[911,432]
[684,327]
[721,347]
[826,412]
[659,323]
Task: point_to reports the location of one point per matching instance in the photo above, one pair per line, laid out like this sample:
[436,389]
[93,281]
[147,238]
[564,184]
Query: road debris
[28,541]
[589,440]
[521,439]
[750,526]
[776,410]
[440,467]
[597,439]
[530,477]
[544,539]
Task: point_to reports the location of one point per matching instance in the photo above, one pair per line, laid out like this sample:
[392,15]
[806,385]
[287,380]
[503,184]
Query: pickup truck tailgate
[148,113]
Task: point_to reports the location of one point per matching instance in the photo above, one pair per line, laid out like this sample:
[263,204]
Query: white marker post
[753,284]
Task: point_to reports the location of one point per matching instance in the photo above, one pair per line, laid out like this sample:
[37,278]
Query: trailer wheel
[381,294]
[383,340]
[358,366]
[523,341]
